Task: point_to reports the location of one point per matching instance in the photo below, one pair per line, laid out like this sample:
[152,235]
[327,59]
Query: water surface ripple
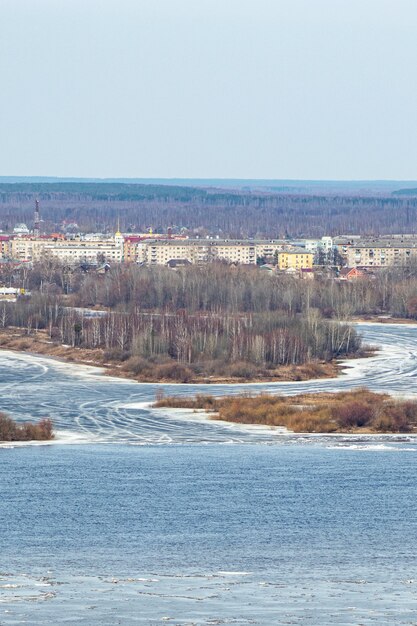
[156,519]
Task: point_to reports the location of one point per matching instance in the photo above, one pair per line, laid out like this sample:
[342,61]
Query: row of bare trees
[216,288]
[205,314]
[198,314]
[193,338]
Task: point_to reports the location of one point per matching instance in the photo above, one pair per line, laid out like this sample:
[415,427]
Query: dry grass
[360,410]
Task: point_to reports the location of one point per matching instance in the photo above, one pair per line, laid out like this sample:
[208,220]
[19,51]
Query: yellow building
[296,259]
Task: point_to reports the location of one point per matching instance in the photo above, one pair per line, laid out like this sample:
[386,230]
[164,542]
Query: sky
[280,89]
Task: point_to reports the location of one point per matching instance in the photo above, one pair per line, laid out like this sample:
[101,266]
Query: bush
[55,334]
[200,401]
[397,417]
[12,431]
[316,421]
[173,371]
[22,344]
[353,413]
[136,365]
[116,355]
[242,369]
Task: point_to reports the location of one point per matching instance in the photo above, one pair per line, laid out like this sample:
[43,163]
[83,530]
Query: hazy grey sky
[209,88]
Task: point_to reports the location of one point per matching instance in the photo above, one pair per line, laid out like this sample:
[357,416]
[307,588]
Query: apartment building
[67,250]
[382,253]
[295,259]
[130,248]
[27,248]
[133,251]
[4,246]
[79,251]
[134,248]
[314,245]
[200,251]
[343,243]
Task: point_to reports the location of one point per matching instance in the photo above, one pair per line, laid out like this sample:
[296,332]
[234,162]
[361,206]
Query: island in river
[356,411]
[39,342]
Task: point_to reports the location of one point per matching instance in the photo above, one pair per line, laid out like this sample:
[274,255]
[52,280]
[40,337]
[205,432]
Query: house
[173,264]
[351,273]
[307,273]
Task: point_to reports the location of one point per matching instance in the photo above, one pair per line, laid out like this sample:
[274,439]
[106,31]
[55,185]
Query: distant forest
[206,211]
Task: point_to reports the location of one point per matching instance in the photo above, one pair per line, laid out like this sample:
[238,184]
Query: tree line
[204,318]
[226,213]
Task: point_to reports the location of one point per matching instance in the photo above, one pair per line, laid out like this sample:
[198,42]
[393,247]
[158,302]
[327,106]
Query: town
[346,257]
[208,312]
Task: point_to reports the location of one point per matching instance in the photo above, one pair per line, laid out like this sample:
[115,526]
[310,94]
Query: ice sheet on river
[87,406]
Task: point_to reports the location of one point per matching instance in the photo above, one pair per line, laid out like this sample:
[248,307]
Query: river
[157,516]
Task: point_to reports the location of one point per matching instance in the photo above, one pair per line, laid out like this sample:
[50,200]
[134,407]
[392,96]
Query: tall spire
[36,220]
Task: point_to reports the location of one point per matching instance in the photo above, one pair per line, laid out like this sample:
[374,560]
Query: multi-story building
[130,248]
[4,246]
[269,249]
[133,249]
[27,248]
[67,250]
[80,251]
[325,244]
[343,243]
[199,251]
[295,259]
[382,253]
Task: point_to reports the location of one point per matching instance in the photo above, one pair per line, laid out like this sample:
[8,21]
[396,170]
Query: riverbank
[168,372]
[351,412]
[382,319]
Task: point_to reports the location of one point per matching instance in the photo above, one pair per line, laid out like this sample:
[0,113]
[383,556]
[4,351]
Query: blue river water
[143,516]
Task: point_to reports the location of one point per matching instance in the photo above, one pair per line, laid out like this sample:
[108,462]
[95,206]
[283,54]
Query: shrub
[316,421]
[173,371]
[242,369]
[116,355]
[321,412]
[396,417]
[353,413]
[185,402]
[136,365]
[55,334]
[22,344]
[12,431]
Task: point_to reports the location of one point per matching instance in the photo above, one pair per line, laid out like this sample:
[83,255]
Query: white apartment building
[313,245]
[68,251]
[382,253]
[85,251]
[26,248]
[198,251]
